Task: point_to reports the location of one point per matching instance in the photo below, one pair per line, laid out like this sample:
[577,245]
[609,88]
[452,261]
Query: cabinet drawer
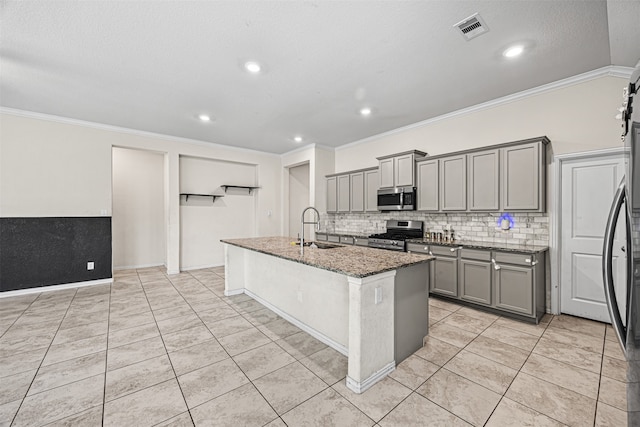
[347,240]
[478,254]
[361,241]
[451,251]
[333,238]
[321,236]
[418,247]
[512,258]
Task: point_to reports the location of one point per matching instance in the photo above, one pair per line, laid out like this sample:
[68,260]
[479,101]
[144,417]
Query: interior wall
[203,222]
[51,166]
[575,118]
[139,228]
[298,198]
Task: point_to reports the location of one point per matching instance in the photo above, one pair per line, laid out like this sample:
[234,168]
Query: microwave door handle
[402,198]
[607,267]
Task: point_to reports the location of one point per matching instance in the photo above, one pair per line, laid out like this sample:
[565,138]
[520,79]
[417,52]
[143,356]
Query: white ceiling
[155,65]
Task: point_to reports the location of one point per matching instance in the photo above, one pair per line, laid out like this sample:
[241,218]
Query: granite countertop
[354,261]
[498,246]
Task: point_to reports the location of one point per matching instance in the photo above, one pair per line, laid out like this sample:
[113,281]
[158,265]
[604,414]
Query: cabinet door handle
[495,266]
[455,249]
[430,253]
[527,260]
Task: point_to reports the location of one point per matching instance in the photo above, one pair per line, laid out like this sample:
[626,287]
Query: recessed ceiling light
[513,51]
[252,67]
[366,111]
[204,117]
[297,138]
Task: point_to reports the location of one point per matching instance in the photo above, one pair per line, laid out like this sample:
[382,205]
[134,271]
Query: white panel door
[588,187]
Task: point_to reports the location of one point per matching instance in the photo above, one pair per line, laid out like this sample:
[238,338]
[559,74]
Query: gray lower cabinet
[346,240]
[444,276]
[513,288]
[361,241]
[505,281]
[475,281]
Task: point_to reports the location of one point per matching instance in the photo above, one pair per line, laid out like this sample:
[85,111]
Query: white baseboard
[314,333]
[360,387]
[200,267]
[134,267]
[18,292]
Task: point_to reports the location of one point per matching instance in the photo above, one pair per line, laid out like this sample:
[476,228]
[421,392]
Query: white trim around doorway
[556,208]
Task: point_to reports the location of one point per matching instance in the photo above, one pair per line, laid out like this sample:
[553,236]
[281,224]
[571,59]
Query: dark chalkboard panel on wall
[51,251]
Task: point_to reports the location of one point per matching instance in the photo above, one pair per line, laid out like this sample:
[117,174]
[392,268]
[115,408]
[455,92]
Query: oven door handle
[607,266]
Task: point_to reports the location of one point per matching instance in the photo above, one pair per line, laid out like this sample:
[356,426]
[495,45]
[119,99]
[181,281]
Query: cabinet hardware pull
[527,260]
[455,249]
[495,266]
[430,253]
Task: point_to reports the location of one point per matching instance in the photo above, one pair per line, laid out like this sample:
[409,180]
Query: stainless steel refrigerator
[625,315]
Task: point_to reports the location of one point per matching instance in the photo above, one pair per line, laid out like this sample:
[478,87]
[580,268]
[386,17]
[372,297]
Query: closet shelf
[213,196]
[246,187]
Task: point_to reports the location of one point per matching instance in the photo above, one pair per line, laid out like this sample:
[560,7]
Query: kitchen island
[369,304]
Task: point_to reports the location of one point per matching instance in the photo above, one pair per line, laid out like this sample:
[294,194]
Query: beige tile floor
[173,351]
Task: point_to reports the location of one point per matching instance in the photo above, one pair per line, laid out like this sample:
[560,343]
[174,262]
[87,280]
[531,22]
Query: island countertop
[354,261]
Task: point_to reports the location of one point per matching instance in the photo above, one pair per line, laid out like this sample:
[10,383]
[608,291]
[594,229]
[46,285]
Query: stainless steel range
[397,233]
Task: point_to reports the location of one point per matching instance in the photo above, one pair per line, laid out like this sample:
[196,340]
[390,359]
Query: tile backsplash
[529,228]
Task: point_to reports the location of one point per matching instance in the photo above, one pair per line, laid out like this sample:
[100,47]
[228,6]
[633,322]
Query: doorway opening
[138,204]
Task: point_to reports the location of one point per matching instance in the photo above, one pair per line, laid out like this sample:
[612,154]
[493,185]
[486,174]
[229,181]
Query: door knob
[623,249]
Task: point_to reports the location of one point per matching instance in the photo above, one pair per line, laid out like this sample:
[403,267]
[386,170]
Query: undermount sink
[319,245]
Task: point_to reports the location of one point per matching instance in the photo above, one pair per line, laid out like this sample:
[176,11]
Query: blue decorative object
[506,221]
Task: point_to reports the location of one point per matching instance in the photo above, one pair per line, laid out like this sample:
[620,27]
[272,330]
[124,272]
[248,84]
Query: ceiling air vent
[472,27]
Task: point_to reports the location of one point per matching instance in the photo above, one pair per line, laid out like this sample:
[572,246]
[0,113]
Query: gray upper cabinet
[483,186]
[398,170]
[332,194]
[404,173]
[386,171]
[343,193]
[428,185]
[522,178]
[357,192]
[453,183]
[371,190]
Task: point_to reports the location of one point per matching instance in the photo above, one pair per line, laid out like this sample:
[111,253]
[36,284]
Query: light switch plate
[90,265]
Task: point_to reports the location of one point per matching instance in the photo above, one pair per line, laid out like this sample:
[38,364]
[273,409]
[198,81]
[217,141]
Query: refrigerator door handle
[607,267]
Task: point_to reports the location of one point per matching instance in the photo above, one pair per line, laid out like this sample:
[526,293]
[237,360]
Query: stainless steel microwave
[397,199]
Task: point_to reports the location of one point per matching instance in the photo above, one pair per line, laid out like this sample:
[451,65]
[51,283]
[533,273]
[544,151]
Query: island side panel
[234,270]
[319,299]
[411,309]
[371,330]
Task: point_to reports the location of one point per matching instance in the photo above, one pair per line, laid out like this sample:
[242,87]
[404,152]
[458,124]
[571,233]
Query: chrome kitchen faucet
[302,223]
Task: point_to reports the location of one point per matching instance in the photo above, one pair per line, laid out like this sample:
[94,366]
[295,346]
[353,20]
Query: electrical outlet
[90,265]
[299,296]
[378,295]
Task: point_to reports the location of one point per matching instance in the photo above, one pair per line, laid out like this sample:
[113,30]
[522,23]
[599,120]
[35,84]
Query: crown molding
[119,129]
[608,71]
[308,147]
